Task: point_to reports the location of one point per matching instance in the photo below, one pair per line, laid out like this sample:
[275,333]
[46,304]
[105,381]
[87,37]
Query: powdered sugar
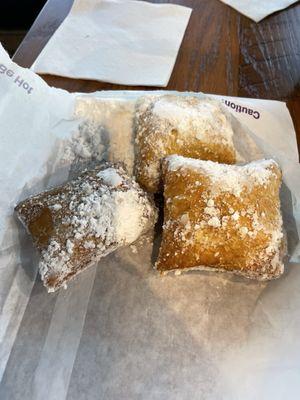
[103,209]
[214,221]
[88,143]
[191,116]
[210,202]
[169,124]
[225,214]
[200,118]
[106,132]
[114,217]
[56,207]
[110,177]
[55,256]
[133,249]
[212,211]
[89,244]
[69,246]
[235,216]
[229,178]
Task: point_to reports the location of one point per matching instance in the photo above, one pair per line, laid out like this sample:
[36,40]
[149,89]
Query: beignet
[183,125]
[76,224]
[222,217]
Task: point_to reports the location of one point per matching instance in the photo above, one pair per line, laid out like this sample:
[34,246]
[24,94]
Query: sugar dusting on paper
[105,133]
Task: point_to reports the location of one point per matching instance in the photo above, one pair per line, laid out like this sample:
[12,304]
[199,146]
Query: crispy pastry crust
[222,217]
[183,125]
[78,223]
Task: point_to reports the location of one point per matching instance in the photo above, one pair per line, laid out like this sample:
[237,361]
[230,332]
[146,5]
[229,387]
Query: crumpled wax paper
[121,330]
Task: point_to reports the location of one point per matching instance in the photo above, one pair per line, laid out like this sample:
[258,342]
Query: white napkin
[258,9]
[117,41]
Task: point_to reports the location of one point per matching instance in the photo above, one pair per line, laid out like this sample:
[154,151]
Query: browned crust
[216,248]
[47,223]
[150,131]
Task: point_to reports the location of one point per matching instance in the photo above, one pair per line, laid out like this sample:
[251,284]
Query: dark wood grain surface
[222,52]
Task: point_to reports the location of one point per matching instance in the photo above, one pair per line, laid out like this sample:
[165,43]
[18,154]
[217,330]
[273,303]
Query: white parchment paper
[120,330]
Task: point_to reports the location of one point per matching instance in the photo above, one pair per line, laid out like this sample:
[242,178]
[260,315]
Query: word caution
[17,79]
[239,109]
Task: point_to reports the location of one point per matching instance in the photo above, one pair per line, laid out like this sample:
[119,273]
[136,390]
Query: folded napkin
[117,41]
[258,9]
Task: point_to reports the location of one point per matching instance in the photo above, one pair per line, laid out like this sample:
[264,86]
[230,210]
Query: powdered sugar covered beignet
[222,217]
[80,222]
[183,125]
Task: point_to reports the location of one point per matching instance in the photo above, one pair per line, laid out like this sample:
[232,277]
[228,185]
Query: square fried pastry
[184,125]
[222,217]
[76,224]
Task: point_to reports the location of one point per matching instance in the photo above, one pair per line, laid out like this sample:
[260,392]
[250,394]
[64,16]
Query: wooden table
[222,52]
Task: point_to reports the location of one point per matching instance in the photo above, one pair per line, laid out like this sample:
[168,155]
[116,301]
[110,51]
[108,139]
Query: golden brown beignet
[222,217]
[183,125]
[80,222]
